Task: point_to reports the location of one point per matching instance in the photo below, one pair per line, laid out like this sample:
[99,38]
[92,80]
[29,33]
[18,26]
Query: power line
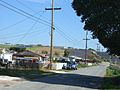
[25,13]
[12,25]
[19,13]
[29,30]
[69,40]
[21,21]
[18,35]
[68,36]
[24,5]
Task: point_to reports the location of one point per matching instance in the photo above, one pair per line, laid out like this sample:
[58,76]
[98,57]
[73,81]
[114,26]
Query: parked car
[70,66]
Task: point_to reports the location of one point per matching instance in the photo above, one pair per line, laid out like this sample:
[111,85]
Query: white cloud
[38,1]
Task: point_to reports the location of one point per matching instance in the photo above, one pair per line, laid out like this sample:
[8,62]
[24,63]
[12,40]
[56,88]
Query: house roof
[27,53]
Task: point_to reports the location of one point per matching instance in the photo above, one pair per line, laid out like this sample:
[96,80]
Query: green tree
[91,49]
[66,53]
[17,49]
[102,18]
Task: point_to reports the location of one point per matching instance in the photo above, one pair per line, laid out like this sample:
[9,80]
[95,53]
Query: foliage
[66,53]
[82,65]
[102,18]
[91,49]
[44,52]
[17,49]
[113,71]
[112,79]
[39,45]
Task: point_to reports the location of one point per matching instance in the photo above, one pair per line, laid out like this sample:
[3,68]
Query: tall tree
[102,18]
[66,53]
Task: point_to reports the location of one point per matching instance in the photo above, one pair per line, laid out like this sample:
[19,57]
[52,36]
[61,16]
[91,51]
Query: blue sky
[69,31]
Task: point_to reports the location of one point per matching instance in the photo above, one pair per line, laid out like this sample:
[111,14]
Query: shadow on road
[77,80]
[92,82]
[85,81]
[111,83]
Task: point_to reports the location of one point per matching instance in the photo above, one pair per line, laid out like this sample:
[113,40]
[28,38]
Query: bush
[113,71]
[112,79]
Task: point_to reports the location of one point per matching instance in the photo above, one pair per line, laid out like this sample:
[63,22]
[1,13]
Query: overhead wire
[18,12]
[67,39]
[17,32]
[12,25]
[70,38]
[21,34]
[27,6]
[32,10]
[60,31]
[28,31]
[32,17]
[24,11]
[24,5]
[27,15]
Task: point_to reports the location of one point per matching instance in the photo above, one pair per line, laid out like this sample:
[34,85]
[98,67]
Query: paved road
[83,79]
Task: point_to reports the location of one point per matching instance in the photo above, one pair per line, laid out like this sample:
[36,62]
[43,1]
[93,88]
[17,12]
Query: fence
[22,65]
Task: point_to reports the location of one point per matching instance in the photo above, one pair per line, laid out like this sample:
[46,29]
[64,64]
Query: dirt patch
[5,83]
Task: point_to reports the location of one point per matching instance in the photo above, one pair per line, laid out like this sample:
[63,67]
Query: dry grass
[39,50]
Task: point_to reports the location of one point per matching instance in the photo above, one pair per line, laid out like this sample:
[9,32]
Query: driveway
[83,79]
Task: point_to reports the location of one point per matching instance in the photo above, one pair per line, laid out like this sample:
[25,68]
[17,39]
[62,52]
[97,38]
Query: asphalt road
[83,79]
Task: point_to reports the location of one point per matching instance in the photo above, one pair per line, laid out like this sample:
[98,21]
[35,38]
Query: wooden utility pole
[86,47]
[98,47]
[52,30]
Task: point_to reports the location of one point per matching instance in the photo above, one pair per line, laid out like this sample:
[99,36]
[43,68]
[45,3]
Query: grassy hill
[36,49]
[44,49]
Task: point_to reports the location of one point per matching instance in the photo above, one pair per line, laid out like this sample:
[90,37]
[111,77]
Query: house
[6,56]
[29,54]
[28,59]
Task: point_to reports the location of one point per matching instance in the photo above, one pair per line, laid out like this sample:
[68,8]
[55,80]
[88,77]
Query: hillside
[46,50]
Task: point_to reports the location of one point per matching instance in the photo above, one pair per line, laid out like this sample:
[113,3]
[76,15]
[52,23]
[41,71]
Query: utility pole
[98,47]
[86,46]
[52,31]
